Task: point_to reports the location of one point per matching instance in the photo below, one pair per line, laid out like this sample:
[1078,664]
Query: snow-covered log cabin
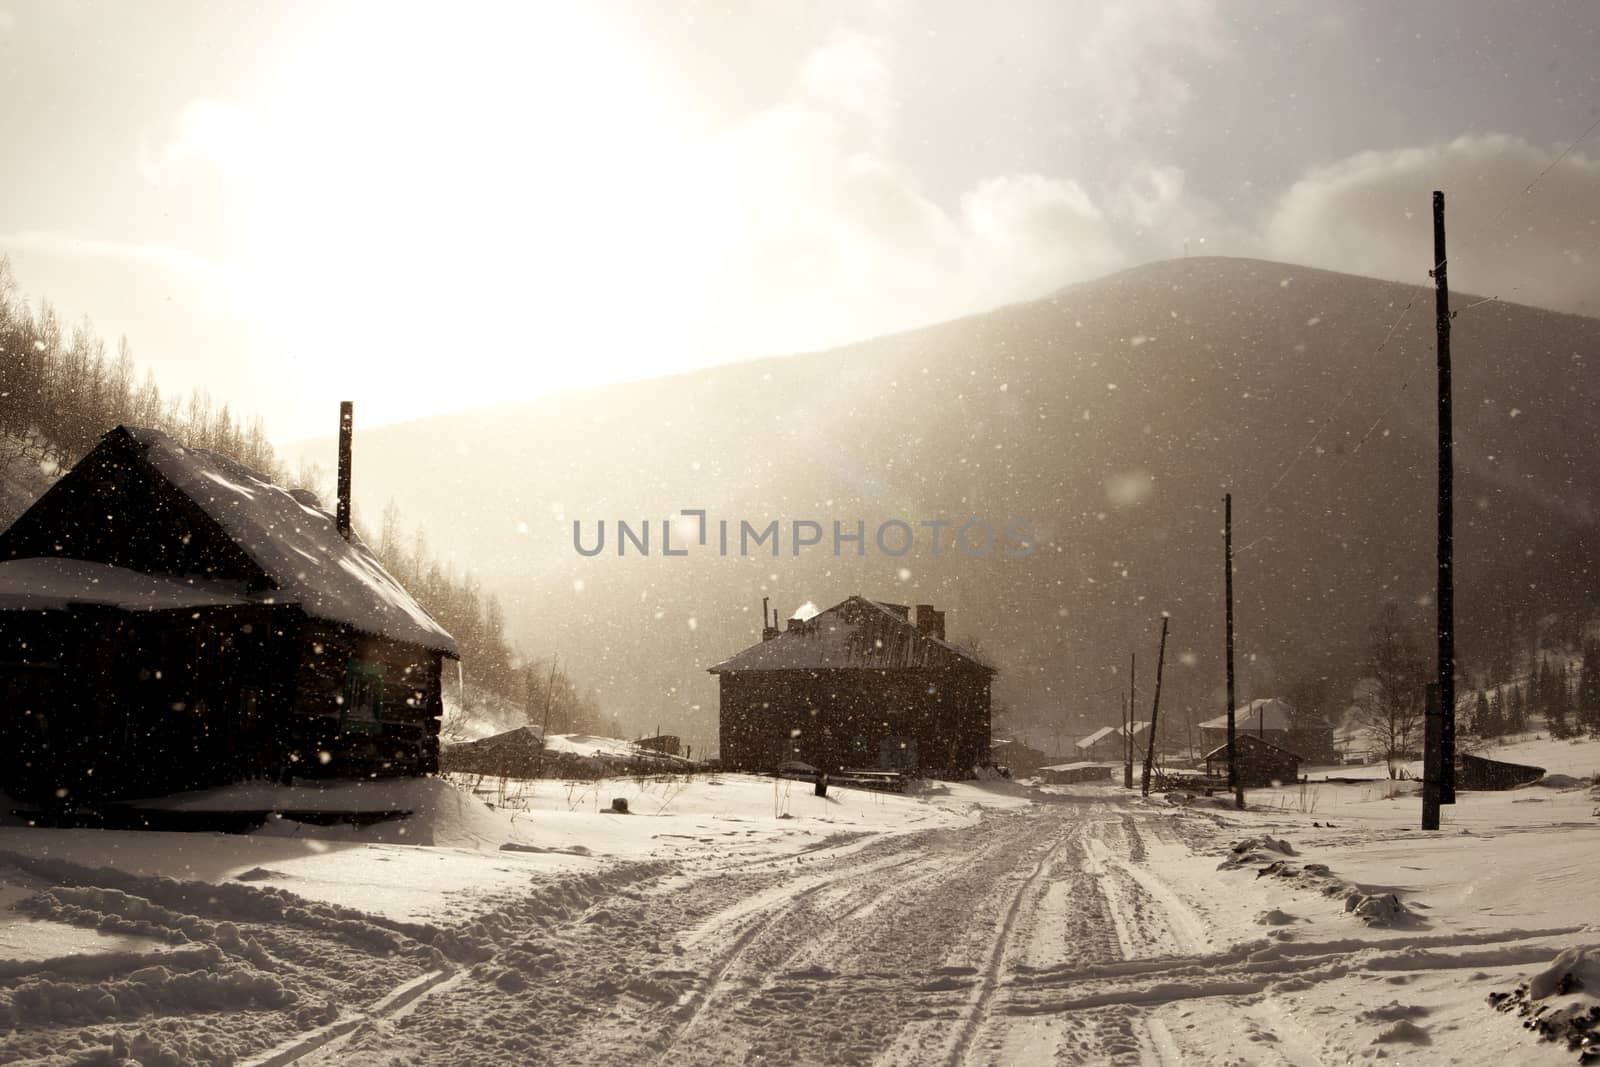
[862,684]
[170,619]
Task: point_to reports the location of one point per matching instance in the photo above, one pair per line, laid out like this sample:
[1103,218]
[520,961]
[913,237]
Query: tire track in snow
[696,1002]
[978,1006]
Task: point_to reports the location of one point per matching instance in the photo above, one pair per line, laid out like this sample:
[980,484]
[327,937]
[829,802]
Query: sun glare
[464,195]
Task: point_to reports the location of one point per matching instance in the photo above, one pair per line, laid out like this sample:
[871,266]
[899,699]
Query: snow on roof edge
[298,546]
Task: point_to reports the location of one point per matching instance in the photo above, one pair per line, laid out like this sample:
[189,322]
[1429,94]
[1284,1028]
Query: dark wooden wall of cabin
[856,718]
[404,736]
[104,704]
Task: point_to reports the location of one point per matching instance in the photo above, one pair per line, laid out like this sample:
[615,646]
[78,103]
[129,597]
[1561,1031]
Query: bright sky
[428,207]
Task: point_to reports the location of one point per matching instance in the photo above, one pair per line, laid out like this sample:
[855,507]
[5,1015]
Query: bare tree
[1389,710]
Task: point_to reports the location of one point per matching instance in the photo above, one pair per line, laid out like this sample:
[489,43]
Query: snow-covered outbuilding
[862,684]
[1111,742]
[1267,719]
[170,619]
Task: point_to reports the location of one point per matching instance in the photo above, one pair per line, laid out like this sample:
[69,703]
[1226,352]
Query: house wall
[103,704]
[920,721]
[364,705]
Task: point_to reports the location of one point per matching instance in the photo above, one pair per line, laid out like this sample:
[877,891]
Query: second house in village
[862,684]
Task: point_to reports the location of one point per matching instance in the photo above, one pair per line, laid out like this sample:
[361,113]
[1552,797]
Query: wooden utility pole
[1432,765]
[1447,590]
[1133,706]
[1155,708]
[1227,553]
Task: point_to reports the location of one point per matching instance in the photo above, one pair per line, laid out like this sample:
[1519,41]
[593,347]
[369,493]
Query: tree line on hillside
[477,620]
[1492,703]
[61,391]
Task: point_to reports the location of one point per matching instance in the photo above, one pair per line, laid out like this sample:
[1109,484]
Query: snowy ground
[729,919]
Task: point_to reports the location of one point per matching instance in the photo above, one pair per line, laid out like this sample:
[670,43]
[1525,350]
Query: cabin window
[363,696]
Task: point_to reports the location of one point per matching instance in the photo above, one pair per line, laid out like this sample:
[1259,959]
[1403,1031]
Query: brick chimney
[929,623]
[769,623]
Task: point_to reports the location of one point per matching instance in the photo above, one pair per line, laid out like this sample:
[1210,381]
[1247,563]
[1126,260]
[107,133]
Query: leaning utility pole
[1227,552]
[1447,590]
[1155,708]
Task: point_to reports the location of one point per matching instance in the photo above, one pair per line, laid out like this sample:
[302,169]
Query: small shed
[1261,763]
[170,619]
[666,744]
[1479,773]
[1071,773]
[516,753]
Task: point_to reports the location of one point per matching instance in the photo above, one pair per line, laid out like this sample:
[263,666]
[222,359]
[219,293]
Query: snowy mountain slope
[1113,415]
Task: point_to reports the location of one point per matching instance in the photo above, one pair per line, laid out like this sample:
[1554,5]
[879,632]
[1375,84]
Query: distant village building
[170,619]
[522,752]
[1110,742]
[666,744]
[515,753]
[1074,773]
[1018,757]
[1261,763]
[862,684]
[1267,719]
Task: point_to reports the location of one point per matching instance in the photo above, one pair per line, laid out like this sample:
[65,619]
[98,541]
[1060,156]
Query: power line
[1326,422]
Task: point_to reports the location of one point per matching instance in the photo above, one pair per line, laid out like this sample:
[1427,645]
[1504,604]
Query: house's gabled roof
[1249,716]
[278,546]
[856,634]
[297,544]
[1221,751]
[1119,731]
[1098,736]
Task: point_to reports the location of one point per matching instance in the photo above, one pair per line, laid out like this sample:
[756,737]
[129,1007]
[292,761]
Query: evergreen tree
[1589,689]
[1553,683]
[1516,709]
[1484,721]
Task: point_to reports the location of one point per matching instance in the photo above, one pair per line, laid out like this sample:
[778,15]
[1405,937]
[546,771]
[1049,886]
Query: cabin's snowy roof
[1098,736]
[296,544]
[56,583]
[856,634]
[1249,716]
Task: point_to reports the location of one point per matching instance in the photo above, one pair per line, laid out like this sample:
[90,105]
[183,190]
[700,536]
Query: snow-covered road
[939,947]
[1085,929]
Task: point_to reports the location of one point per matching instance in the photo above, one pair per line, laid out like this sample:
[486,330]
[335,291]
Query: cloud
[1130,56]
[851,73]
[1372,214]
[827,236]
[219,135]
